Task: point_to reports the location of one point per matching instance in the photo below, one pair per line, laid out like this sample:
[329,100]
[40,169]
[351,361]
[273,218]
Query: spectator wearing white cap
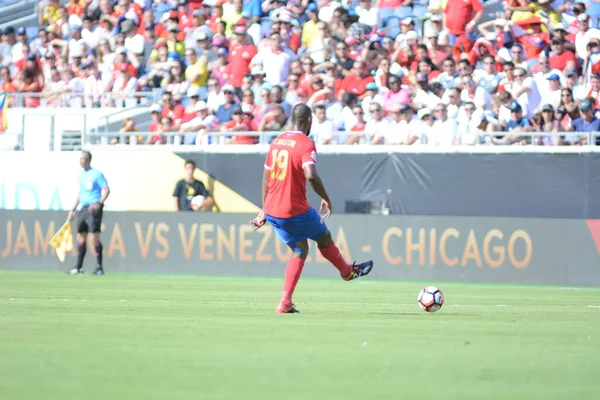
[193,96]
[326,9]
[585,35]
[422,126]
[406,25]
[195,130]
[436,24]
[225,111]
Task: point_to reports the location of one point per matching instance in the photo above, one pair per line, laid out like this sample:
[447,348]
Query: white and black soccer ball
[197,202]
[430,299]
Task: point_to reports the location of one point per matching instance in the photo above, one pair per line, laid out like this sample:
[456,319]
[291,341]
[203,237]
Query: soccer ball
[430,299]
[197,202]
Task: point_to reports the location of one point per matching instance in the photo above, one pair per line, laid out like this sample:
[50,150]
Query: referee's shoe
[98,270]
[75,271]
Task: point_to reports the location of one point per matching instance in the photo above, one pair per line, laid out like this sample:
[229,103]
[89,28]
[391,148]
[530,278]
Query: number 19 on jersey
[279,164]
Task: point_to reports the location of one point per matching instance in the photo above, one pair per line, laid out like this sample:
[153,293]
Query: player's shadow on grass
[395,313]
[437,315]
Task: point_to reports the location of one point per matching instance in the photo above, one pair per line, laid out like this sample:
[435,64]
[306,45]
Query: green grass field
[189,337]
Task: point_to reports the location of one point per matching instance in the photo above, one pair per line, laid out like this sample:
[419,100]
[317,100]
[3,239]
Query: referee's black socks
[98,248]
[81,249]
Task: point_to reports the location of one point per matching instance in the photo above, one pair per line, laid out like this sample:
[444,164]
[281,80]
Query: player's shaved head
[302,118]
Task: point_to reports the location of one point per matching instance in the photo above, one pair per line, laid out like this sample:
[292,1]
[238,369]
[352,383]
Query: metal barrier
[79,100]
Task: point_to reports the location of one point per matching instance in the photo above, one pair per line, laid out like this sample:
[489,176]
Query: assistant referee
[93,192]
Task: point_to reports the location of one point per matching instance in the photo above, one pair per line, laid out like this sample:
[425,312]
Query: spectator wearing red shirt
[7,84]
[240,55]
[357,82]
[459,19]
[76,7]
[238,124]
[155,118]
[306,78]
[359,126]
[170,109]
[532,40]
[274,120]
[561,58]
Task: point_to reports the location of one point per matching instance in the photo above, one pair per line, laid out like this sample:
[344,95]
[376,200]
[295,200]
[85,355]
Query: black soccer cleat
[359,270]
[98,270]
[285,310]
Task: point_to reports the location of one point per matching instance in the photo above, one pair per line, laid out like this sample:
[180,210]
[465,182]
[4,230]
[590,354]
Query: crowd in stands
[374,71]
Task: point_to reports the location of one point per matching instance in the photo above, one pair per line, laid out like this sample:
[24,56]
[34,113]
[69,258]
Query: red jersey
[353,84]
[288,154]
[459,13]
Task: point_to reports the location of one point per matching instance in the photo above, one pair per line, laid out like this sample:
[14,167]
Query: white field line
[247,302]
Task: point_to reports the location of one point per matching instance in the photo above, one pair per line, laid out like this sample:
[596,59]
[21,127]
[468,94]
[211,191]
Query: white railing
[78,100]
[222,142]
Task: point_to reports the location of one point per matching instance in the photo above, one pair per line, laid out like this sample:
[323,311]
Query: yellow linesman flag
[62,241]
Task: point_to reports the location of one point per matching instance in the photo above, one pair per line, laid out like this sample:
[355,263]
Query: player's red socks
[292,275]
[333,255]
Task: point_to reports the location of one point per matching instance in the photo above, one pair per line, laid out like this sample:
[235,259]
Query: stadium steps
[18,13]
[141,116]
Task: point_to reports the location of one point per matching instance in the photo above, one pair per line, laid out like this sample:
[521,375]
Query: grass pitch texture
[188,337]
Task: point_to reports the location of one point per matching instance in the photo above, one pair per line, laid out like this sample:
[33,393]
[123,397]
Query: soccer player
[291,161]
[93,192]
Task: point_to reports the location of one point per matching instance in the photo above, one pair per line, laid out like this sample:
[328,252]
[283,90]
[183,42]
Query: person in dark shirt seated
[584,124]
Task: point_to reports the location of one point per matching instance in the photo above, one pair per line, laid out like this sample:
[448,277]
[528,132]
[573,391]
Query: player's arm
[265,185]
[260,219]
[105,194]
[209,201]
[75,205]
[316,183]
